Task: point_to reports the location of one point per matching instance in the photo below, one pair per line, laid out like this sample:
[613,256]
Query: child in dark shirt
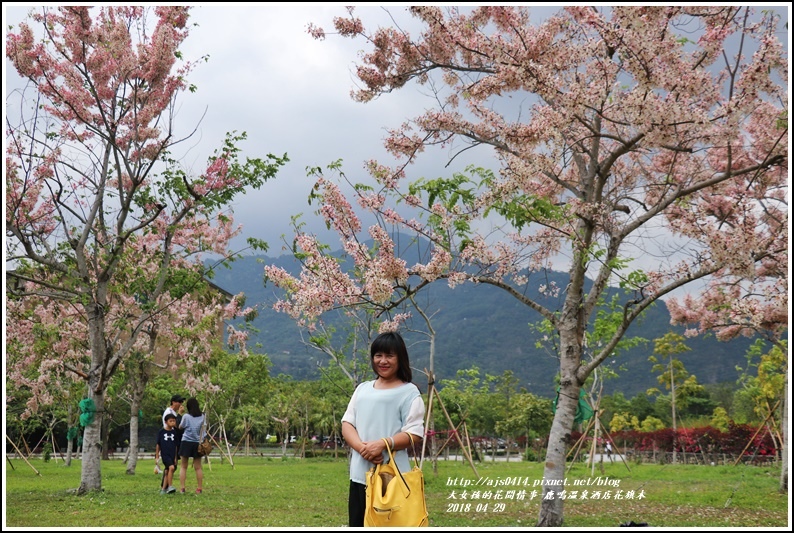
[166,449]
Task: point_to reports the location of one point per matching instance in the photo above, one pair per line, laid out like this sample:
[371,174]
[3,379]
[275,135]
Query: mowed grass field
[312,493]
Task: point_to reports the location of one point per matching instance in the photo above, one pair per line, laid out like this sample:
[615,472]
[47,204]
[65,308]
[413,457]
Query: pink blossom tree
[749,302]
[101,221]
[180,336]
[644,135]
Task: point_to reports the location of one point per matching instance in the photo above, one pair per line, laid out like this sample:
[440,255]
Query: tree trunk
[784,451]
[571,327]
[91,473]
[69,442]
[559,439]
[133,455]
[105,438]
[52,442]
[247,428]
[139,382]
[672,399]
[551,510]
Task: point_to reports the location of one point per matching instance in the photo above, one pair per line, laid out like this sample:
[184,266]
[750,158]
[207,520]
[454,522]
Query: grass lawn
[294,493]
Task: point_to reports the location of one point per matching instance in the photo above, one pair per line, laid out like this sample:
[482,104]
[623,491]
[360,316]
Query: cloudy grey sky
[291,94]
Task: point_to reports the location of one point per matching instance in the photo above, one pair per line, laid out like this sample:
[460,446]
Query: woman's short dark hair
[193,408]
[392,342]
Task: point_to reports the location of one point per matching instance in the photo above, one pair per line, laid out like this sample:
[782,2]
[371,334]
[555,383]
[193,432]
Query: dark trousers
[356,503]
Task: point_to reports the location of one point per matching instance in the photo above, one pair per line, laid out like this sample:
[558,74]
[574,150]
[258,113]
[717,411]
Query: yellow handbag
[394,498]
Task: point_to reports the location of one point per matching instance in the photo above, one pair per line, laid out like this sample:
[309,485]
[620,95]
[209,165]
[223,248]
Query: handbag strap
[411,438]
[394,462]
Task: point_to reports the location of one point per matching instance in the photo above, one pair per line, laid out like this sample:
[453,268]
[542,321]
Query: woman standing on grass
[192,423]
[388,407]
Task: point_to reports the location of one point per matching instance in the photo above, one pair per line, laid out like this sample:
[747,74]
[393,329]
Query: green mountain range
[482,326]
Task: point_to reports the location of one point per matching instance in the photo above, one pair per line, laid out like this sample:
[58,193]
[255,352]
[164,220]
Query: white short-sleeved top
[379,413]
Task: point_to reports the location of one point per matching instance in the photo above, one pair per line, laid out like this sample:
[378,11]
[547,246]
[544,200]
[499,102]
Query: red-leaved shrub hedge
[695,440]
